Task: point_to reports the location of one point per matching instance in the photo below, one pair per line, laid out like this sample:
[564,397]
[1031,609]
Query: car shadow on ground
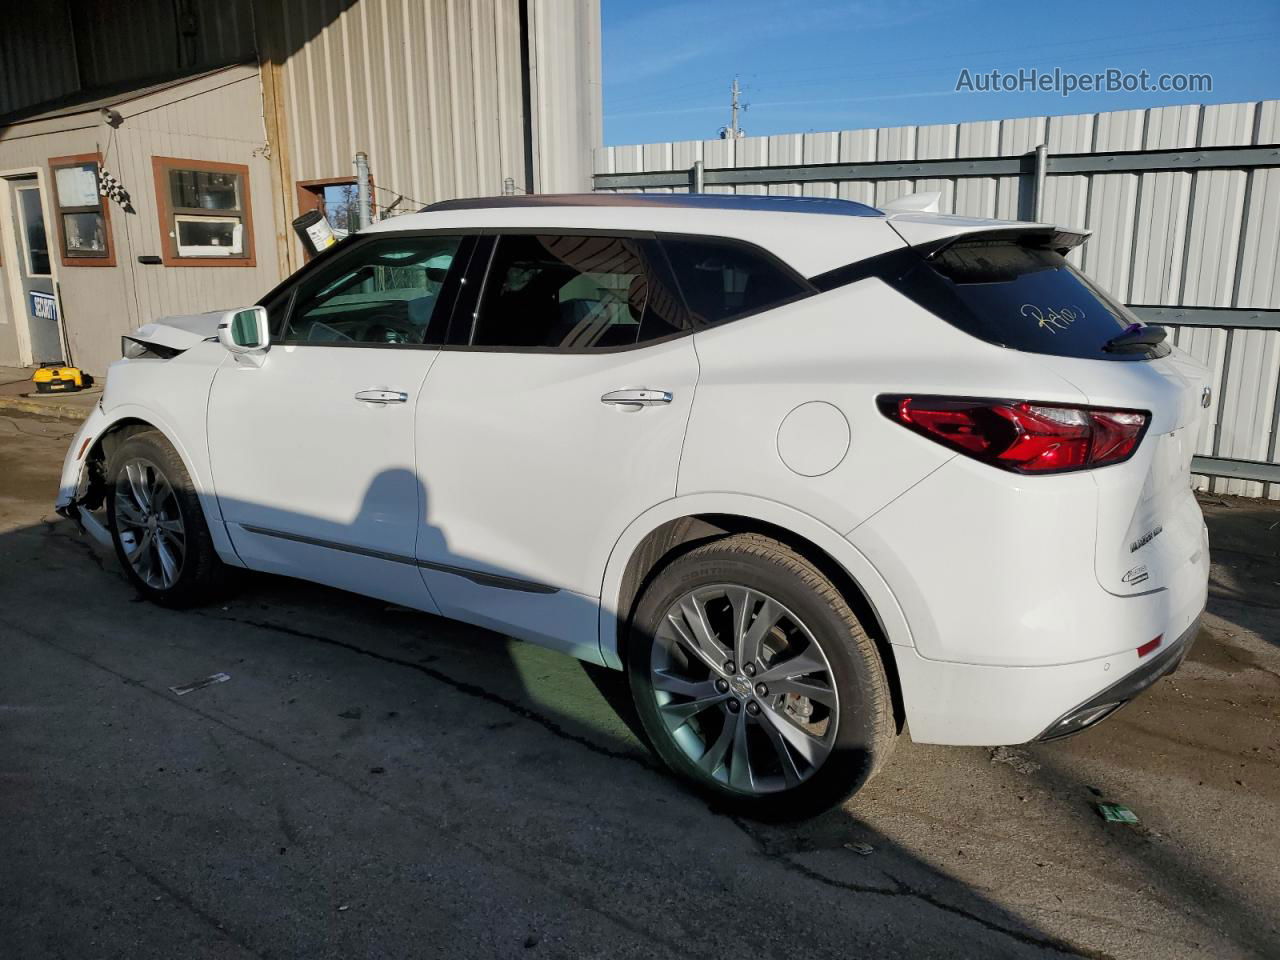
[430,728]
[373,734]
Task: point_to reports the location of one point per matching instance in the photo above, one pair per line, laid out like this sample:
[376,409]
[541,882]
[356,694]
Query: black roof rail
[697,201]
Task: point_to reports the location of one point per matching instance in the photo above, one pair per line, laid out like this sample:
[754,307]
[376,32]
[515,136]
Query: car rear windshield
[1024,297]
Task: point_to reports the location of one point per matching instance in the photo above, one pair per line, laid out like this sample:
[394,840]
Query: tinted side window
[384,291]
[1021,297]
[576,293]
[722,280]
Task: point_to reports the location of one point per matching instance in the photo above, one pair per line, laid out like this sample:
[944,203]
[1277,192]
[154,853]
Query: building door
[34,271]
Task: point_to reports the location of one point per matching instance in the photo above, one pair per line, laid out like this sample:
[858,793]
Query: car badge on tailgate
[1146,538]
[1136,575]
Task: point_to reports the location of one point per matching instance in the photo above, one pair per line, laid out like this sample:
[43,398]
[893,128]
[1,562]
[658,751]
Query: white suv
[807,470]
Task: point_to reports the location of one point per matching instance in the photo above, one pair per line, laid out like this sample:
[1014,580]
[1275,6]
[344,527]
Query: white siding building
[222,120]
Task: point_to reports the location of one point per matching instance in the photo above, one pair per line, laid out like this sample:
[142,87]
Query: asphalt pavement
[371,782]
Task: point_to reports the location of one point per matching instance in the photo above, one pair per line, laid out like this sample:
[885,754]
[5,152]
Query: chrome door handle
[640,396]
[382,396]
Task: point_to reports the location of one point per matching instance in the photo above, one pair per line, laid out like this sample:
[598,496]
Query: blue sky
[825,65]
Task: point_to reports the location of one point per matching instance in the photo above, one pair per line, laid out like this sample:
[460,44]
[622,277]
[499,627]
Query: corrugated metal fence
[1183,202]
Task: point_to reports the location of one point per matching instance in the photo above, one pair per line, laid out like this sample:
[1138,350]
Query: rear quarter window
[722,280]
[1021,297]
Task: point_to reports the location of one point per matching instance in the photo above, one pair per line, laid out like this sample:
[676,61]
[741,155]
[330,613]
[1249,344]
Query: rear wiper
[1136,336]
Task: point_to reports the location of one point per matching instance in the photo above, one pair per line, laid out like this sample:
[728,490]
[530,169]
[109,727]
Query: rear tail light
[1021,436]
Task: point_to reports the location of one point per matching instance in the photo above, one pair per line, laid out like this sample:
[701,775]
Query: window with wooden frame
[335,198]
[83,215]
[205,214]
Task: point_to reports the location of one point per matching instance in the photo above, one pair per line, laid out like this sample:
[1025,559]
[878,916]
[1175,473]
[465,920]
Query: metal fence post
[696,174]
[362,188]
[1042,166]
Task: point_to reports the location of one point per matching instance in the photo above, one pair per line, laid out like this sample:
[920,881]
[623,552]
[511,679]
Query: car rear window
[1023,297]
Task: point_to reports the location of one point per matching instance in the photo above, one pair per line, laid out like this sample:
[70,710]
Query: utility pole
[733,123]
[733,131]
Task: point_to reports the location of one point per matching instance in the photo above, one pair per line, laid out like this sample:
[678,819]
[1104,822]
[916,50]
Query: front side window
[392,291]
[204,212]
[573,292]
[82,212]
[722,280]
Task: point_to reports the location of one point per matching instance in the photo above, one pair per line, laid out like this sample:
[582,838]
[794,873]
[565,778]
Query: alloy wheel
[744,689]
[149,524]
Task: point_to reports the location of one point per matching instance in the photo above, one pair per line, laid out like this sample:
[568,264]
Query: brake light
[1022,436]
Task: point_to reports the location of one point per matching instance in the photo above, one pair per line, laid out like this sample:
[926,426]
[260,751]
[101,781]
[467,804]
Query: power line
[1074,58]
[397,194]
[647,97]
[942,69]
[1028,48]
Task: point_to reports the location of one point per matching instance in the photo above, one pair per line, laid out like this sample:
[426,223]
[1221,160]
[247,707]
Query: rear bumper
[972,704]
[1011,630]
[1097,708]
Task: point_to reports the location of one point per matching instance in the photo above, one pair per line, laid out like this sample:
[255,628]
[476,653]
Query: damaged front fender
[82,487]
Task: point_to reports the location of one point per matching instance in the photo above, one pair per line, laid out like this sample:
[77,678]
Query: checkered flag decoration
[111,188]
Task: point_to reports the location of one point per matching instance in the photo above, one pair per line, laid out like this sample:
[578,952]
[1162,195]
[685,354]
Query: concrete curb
[47,408]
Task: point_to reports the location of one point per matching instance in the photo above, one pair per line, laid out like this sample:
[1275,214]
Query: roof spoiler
[1042,236]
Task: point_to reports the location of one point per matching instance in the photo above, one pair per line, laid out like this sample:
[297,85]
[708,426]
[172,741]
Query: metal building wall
[121,40]
[51,49]
[432,91]
[1176,238]
[34,61]
[565,69]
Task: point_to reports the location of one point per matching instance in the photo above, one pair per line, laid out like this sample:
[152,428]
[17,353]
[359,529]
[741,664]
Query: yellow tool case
[57,379]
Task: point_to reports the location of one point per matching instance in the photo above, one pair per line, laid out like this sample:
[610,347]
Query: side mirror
[245,331]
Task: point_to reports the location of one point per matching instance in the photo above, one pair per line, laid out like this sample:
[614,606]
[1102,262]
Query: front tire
[157,524]
[754,679]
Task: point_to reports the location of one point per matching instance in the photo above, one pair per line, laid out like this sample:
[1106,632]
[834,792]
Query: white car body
[505,494]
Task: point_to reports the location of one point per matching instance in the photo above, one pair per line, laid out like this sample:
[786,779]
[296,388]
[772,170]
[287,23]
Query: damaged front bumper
[82,487]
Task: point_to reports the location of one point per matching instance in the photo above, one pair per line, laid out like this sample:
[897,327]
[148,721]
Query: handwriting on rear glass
[1051,319]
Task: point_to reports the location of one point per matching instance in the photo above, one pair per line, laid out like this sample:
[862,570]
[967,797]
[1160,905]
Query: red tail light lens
[1022,436]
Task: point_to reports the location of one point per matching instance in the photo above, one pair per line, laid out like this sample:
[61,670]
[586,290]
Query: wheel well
[677,537]
[103,447]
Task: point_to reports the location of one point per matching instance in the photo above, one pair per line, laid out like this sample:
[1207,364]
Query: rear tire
[803,721]
[157,524]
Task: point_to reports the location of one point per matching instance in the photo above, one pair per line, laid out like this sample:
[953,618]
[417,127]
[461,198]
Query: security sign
[44,306]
